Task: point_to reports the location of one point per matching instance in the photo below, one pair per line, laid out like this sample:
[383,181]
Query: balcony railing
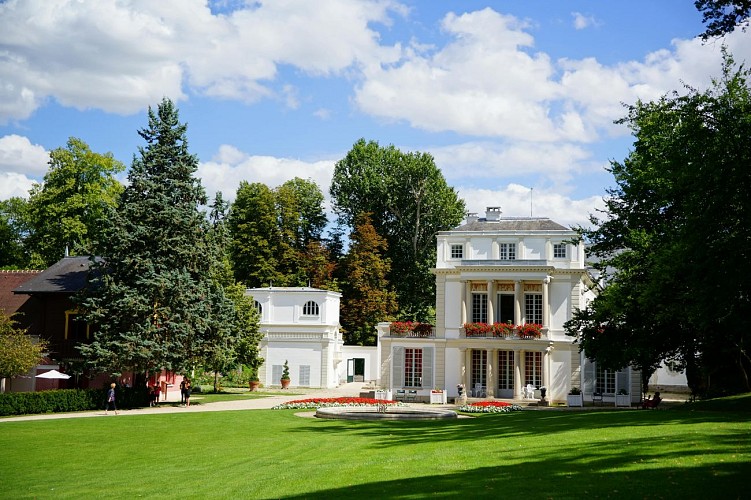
[411,330]
[503,331]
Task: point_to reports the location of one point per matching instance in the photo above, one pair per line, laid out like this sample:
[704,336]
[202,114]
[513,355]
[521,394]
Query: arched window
[258,307]
[310,309]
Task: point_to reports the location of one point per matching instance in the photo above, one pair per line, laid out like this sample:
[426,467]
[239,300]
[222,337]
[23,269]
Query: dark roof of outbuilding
[67,275]
[512,225]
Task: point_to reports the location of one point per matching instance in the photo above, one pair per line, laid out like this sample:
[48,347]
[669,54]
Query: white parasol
[54,374]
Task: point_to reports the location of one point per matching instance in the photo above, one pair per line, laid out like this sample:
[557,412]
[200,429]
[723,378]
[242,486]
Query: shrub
[68,400]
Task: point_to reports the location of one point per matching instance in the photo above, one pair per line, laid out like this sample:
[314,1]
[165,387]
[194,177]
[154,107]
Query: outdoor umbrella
[53,374]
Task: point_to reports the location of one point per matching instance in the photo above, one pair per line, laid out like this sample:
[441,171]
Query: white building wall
[372,357]
[534,248]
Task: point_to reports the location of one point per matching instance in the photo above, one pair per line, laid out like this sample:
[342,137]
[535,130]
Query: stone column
[517,374]
[494,251]
[493,370]
[491,292]
[518,297]
[465,286]
[545,302]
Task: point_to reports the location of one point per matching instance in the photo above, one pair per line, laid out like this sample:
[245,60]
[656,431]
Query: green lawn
[275,454]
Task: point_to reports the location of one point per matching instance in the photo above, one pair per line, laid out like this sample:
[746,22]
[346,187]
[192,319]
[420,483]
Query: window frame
[311,309]
[456,251]
[560,250]
[413,366]
[533,308]
[507,251]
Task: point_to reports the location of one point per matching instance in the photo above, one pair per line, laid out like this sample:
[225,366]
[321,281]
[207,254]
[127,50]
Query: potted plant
[285,375]
[574,397]
[503,330]
[623,398]
[253,381]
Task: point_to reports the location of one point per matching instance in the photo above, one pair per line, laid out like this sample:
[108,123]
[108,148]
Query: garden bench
[411,396]
[596,398]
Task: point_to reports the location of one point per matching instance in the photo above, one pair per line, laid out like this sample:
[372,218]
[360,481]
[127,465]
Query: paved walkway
[346,390]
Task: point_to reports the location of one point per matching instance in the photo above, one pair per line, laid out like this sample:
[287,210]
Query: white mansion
[509,272]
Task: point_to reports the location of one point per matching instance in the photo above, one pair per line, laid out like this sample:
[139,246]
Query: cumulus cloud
[516,200]
[14,184]
[122,56]
[488,81]
[18,154]
[230,166]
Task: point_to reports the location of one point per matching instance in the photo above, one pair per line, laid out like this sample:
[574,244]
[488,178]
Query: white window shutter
[398,366]
[427,367]
[621,381]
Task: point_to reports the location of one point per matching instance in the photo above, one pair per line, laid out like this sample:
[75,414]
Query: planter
[622,400]
[575,400]
[285,383]
[438,397]
[254,384]
[383,394]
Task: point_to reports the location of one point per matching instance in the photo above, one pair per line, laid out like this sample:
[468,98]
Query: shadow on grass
[524,423]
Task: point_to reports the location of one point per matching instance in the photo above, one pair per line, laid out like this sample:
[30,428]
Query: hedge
[68,400]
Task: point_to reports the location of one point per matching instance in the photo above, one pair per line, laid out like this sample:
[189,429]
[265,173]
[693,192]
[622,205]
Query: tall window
[304,375]
[533,308]
[310,309]
[479,365]
[75,327]
[533,368]
[259,308]
[559,250]
[457,251]
[479,308]
[413,367]
[505,370]
[604,381]
[507,251]
[505,309]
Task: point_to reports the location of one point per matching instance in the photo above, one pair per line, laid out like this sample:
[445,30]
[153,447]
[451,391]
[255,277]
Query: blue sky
[510,97]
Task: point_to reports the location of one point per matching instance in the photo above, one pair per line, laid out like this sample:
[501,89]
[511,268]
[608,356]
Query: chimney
[471,217]
[493,213]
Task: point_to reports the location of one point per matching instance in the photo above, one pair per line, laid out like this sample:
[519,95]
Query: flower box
[438,397]
[622,400]
[574,400]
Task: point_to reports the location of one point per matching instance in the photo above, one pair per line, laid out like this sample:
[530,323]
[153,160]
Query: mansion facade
[504,289]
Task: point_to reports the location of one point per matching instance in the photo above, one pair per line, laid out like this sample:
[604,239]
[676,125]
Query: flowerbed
[490,407]
[314,403]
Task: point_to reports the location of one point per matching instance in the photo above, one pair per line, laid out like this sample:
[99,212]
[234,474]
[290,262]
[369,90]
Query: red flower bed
[321,402]
[495,404]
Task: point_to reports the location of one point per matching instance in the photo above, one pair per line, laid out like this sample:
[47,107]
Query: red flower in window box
[477,329]
[530,331]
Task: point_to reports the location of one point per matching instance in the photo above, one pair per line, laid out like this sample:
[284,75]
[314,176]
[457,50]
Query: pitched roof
[9,280]
[512,224]
[67,275]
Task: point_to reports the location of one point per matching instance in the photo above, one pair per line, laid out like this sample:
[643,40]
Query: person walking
[111,400]
[182,391]
[187,393]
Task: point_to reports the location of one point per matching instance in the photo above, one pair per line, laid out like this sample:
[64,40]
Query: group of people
[154,392]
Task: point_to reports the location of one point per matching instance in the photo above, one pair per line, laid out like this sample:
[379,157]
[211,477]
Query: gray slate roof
[513,224]
[67,275]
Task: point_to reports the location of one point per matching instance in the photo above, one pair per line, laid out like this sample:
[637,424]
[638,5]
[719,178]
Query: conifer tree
[153,299]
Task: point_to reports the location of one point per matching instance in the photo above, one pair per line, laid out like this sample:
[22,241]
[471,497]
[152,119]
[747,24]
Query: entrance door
[356,370]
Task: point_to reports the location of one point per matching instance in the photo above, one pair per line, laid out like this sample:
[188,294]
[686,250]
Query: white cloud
[488,82]
[583,21]
[516,200]
[483,160]
[230,166]
[14,184]
[121,56]
[18,154]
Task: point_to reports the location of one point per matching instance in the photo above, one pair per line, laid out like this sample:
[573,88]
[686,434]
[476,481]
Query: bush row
[68,400]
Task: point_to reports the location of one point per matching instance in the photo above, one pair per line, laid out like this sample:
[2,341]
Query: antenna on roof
[530,201]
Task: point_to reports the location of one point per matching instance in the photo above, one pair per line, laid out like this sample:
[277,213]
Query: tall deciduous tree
[367,295]
[409,202]
[67,209]
[723,16]
[154,298]
[272,230]
[13,234]
[675,240]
